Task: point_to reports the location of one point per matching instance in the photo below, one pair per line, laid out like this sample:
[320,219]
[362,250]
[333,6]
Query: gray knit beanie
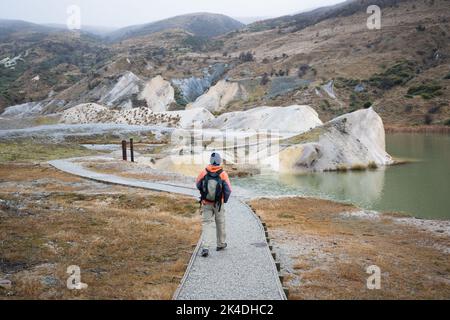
[216,159]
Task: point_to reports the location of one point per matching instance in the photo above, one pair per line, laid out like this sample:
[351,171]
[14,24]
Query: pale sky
[120,13]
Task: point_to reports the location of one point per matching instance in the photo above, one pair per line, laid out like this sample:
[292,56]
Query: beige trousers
[211,215]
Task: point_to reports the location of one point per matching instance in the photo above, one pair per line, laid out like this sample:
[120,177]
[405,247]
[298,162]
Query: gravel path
[246,270]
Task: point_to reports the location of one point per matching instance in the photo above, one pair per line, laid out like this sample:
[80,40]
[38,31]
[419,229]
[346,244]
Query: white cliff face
[355,139]
[93,113]
[220,96]
[84,114]
[158,93]
[188,118]
[23,110]
[127,85]
[294,119]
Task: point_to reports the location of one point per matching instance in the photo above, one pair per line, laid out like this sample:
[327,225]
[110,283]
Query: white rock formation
[93,113]
[127,85]
[158,93]
[23,110]
[295,119]
[84,114]
[220,96]
[188,118]
[354,139]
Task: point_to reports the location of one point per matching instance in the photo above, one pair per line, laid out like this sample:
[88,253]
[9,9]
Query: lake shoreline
[417,129]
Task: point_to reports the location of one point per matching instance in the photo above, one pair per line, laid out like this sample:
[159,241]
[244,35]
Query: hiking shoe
[223,247]
[205,253]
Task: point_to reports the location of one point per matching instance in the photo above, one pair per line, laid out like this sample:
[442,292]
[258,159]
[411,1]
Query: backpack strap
[214,174]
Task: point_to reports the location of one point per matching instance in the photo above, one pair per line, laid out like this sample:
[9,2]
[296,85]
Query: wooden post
[124,150]
[132,150]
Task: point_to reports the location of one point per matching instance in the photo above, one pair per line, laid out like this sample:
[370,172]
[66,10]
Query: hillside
[36,63]
[12,28]
[326,58]
[199,24]
[402,70]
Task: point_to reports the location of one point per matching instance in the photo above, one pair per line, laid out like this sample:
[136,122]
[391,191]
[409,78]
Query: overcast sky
[119,13]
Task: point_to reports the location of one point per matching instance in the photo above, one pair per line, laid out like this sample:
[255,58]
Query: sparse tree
[265,79]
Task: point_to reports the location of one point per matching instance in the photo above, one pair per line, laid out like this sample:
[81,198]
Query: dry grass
[325,254]
[113,168]
[418,129]
[129,243]
[28,150]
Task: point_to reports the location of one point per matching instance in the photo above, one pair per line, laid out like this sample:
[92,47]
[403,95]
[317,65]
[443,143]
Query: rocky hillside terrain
[327,58]
[199,24]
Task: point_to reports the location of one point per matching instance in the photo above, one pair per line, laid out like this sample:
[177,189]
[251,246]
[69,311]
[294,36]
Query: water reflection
[421,188]
[362,188]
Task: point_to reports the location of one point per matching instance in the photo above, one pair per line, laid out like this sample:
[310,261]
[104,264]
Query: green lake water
[420,188]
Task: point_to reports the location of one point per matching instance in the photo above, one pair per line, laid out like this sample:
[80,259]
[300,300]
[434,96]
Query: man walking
[215,189]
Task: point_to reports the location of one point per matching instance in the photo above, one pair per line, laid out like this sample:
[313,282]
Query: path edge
[188,270]
[269,254]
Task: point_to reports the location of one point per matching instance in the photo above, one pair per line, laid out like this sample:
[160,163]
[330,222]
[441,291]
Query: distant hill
[249,20]
[200,24]
[305,19]
[94,30]
[11,27]
[326,58]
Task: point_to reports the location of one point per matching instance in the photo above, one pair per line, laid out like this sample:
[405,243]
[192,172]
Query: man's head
[216,159]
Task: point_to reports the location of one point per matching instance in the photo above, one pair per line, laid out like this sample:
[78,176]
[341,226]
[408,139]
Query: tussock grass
[129,243]
[329,252]
[358,167]
[28,150]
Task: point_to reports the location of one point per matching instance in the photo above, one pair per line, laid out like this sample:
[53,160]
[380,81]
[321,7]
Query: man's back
[214,183]
[226,187]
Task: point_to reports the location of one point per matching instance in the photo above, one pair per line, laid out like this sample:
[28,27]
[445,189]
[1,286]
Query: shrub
[358,167]
[341,168]
[265,79]
[447,122]
[426,91]
[367,105]
[428,119]
[302,70]
[408,108]
[195,43]
[420,28]
[246,57]
[447,77]
[434,110]
[396,75]
[179,97]
[372,165]
[325,104]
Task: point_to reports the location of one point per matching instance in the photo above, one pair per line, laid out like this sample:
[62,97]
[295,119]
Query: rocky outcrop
[294,119]
[120,94]
[158,93]
[220,96]
[193,87]
[282,85]
[352,141]
[189,118]
[93,113]
[85,113]
[23,110]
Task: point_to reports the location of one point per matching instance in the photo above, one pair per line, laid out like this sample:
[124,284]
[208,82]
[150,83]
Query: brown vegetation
[325,253]
[129,243]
